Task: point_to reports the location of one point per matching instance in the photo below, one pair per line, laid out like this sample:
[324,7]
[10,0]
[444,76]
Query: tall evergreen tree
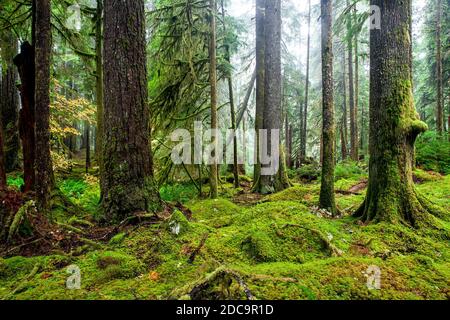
[394,123]
[273,95]
[127,183]
[327,197]
[214,168]
[260,76]
[44,167]
[9,103]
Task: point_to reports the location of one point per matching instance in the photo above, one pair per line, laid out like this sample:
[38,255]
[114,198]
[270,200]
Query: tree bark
[260,76]
[327,197]
[305,110]
[353,128]
[9,103]
[357,138]
[87,137]
[344,135]
[99,84]
[273,94]
[214,168]
[394,123]
[127,183]
[25,64]
[44,167]
[232,107]
[2,162]
[439,76]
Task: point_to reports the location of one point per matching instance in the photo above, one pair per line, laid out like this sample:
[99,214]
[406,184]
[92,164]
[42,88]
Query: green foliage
[349,170]
[178,192]
[15,181]
[73,188]
[309,172]
[433,153]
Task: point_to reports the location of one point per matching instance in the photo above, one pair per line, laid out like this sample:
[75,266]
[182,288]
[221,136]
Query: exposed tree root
[215,286]
[334,251]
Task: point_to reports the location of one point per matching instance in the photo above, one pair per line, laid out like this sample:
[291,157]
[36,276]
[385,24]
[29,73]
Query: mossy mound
[279,248]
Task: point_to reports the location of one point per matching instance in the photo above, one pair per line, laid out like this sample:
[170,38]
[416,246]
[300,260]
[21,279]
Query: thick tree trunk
[305,110]
[214,168]
[44,168]
[99,85]
[9,103]
[394,123]
[260,76]
[353,128]
[127,183]
[439,76]
[272,98]
[25,64]
[327,197]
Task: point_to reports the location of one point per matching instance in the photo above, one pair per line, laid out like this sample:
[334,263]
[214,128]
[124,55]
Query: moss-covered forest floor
[241,246]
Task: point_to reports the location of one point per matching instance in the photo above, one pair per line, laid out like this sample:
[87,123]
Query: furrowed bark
[327,197]
[128,185]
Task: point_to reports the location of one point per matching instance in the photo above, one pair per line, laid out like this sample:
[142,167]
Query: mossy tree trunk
[231,98]
[327,197]
[353,119]
[356,109]
[439,75]
[9,103]
[272,116]
[304,122]
[344,124]
[394,123]
[99,84]
[214,168]
[260,71]
[127,182]
[44,167]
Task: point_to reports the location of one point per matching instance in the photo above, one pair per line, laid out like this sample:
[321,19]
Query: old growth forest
[95,96]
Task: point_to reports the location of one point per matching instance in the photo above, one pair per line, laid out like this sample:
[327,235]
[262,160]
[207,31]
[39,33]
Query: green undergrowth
[280,247]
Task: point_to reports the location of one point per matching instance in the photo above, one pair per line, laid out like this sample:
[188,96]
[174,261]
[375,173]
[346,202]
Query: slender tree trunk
[214,168]
[439,77]
[232,107]
[2,162]
[44,167]
[260,76]
[327,197]
[273,95]
[305,110]
[128,184]
[9,103]
[394,124]
[344,109]
[99,80]
[87,137]
[353,127]
[357,144]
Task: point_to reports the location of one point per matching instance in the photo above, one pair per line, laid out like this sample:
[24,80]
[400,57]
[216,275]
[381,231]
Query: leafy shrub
[433,153]
[309,172]
[73,188]
[16,182]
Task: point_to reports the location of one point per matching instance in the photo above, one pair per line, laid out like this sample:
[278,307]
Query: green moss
[280,248]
